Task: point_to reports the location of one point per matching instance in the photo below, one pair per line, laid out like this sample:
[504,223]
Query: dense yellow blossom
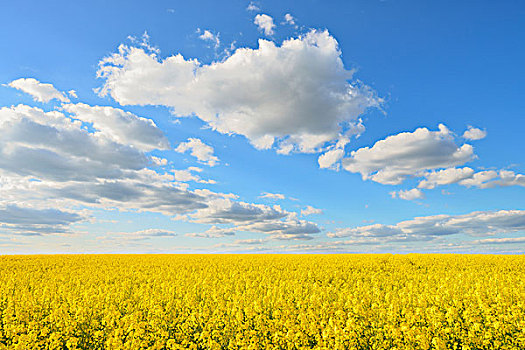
[262,302]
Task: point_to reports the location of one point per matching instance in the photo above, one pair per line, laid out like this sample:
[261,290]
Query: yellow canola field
[262,302]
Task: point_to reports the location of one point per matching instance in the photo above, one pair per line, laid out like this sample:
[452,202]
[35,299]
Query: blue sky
[364,126]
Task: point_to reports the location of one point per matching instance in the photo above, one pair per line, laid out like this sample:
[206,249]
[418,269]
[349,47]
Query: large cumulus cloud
[297,96]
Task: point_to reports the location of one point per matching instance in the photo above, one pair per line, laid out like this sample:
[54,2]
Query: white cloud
[331,158]
[72,93]
[295,94]
[189,175]
[200,150]
[492,178]
[289,19]
[209,36]
[41,92]
[265,24]
[474,133]
[277,196]
[469,178]
[479,223]
[391,160]
[408,195]
[159,161]
[507,178]
[445,177]
[210,194]
[479,179]
[121,126]
[252,7]
[309,210]
[418,154]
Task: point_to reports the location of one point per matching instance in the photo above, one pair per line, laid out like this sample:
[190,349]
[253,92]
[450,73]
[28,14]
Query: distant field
[262,302]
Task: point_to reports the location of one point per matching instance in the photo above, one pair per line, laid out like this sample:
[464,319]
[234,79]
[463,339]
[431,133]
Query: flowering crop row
[262,302]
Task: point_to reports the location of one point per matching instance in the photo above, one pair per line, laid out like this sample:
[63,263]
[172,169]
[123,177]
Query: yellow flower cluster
[262,302]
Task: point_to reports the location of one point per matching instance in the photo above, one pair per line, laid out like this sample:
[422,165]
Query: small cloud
[265,24]
[159,161]
[41,92]
[170,10]
[474,134]
[445,177]
[198,149]
[492,178]
[188,175]
[331,158]
[289,19]
[309,210]
[252,7]
[209,36]
[408,195]
[72,93]
[276,196]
